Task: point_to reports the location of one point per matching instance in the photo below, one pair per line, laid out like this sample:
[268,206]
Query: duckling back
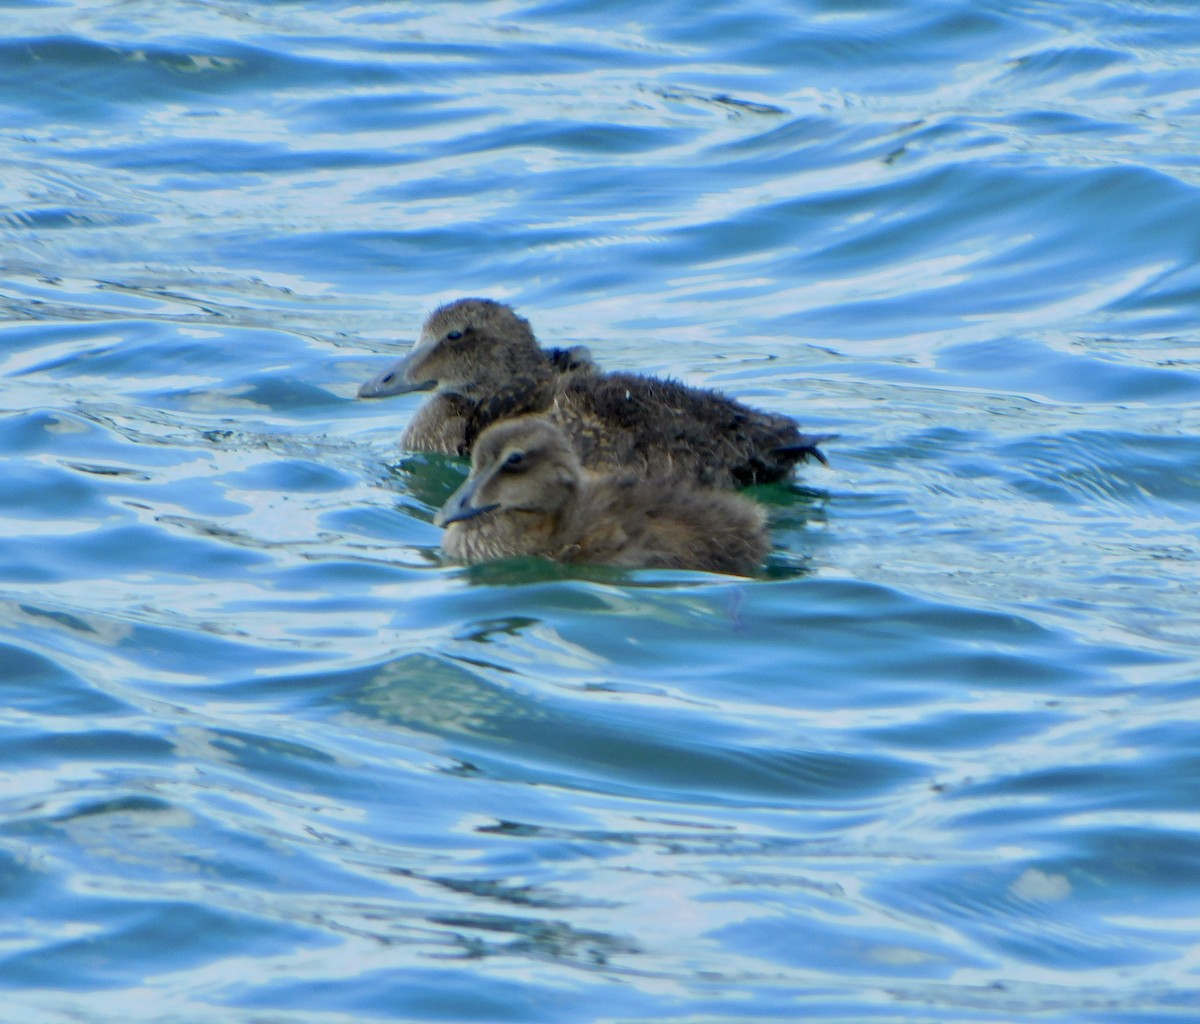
[656,427]
[661,523]
[662,427]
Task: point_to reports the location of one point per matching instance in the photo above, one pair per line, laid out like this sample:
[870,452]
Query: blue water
[267,757]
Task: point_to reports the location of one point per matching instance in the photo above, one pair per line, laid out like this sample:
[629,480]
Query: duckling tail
[805,447]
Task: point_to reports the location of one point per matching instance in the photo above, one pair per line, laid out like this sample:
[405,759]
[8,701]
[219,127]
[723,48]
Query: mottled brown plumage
[487,367]
[528,494]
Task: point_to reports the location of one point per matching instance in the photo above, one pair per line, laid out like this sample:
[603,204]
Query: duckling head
[466,347]
[522,469]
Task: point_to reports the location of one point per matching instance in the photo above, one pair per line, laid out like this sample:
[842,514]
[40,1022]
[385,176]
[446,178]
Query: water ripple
[269,754]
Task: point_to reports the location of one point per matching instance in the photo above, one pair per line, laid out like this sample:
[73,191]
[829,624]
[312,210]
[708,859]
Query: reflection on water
[267,753]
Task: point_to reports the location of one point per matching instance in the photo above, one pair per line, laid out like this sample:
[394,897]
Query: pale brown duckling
[528,494]
[486,366]
[454,355]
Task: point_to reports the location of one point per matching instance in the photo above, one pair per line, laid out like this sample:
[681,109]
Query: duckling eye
[514,459]
[454,335]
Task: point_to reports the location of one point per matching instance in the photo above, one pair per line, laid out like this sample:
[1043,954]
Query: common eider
[486,366]
[528,494]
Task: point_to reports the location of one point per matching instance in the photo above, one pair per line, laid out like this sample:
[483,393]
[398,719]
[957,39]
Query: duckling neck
[568,522]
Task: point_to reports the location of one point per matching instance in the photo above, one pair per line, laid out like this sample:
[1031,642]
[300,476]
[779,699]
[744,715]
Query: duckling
[452,354]
[529,494]
[486,366]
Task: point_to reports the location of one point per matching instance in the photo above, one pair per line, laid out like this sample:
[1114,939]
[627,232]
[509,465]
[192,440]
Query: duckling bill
[529,494]
[485,366]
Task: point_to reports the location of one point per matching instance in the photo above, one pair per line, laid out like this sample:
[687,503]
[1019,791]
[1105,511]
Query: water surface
[267,755]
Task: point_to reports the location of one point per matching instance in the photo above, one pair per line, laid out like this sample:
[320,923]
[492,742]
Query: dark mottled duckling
[486,366]
[458,335]
[528,494]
